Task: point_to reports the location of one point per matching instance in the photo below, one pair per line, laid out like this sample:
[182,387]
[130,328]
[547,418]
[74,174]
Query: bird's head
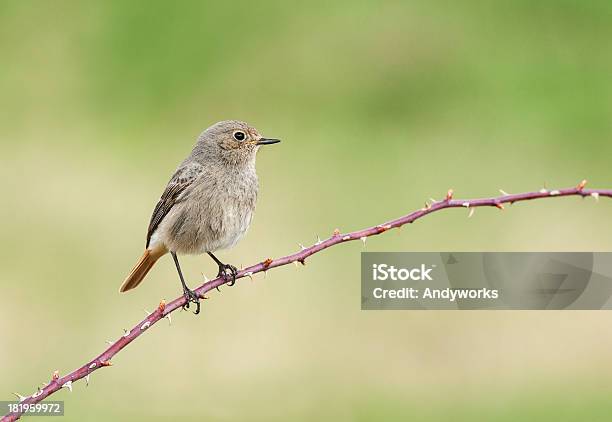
[233,141]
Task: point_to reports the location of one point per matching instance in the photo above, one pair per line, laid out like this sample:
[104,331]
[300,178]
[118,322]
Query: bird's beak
[267,141]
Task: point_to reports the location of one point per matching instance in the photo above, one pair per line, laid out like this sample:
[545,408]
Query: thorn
[249,275]
[596,196]
[433,201]
[68,385]
[206,280]
[382,229]
[363,239]
[449,195]
[87,380]
[347,237]
[145,325]
[110,342]
[147,312]
[471,213]
[162,306]
[302,247]
[466,204]
[581,185]
[55,376]
[38,393]
[169,319]
[106,363]
[427,205]
[499,205]
[336,232]
[93,365]
[554,192]
[296,264]
[20,397]
[503,192]
[126,332]
[302,261]
[319,241]
[543,190]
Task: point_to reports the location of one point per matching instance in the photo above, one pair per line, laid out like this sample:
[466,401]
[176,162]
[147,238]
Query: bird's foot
[228,273]
[191,297]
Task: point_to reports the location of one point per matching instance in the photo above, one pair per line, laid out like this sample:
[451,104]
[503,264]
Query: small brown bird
[208,204]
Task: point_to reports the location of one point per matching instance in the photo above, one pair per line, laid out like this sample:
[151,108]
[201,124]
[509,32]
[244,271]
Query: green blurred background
[381,105]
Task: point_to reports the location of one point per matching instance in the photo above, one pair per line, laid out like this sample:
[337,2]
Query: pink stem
[163,310]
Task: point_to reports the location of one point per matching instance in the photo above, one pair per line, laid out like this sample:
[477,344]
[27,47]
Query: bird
[207,205]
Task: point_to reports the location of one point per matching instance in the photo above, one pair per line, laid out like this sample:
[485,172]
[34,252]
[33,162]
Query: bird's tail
[142,267]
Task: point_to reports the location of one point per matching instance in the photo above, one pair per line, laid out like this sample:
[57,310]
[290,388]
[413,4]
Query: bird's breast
[235,206]
[215,215]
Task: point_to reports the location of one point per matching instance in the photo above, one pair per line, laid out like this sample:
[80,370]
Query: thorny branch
[164,310]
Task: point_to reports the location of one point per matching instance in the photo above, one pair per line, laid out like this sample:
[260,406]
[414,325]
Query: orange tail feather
[140,270]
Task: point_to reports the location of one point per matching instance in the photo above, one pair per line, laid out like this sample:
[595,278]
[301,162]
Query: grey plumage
[209,202]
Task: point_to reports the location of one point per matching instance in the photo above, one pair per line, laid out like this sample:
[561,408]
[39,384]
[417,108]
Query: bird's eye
[239,135]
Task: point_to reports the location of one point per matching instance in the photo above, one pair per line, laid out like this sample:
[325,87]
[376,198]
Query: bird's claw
[228,272]
[191,296]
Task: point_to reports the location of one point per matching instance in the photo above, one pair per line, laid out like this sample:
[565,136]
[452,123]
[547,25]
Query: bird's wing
[180,181]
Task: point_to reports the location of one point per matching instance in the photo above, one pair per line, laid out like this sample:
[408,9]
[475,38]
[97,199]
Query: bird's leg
[226,271]
[190,295]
